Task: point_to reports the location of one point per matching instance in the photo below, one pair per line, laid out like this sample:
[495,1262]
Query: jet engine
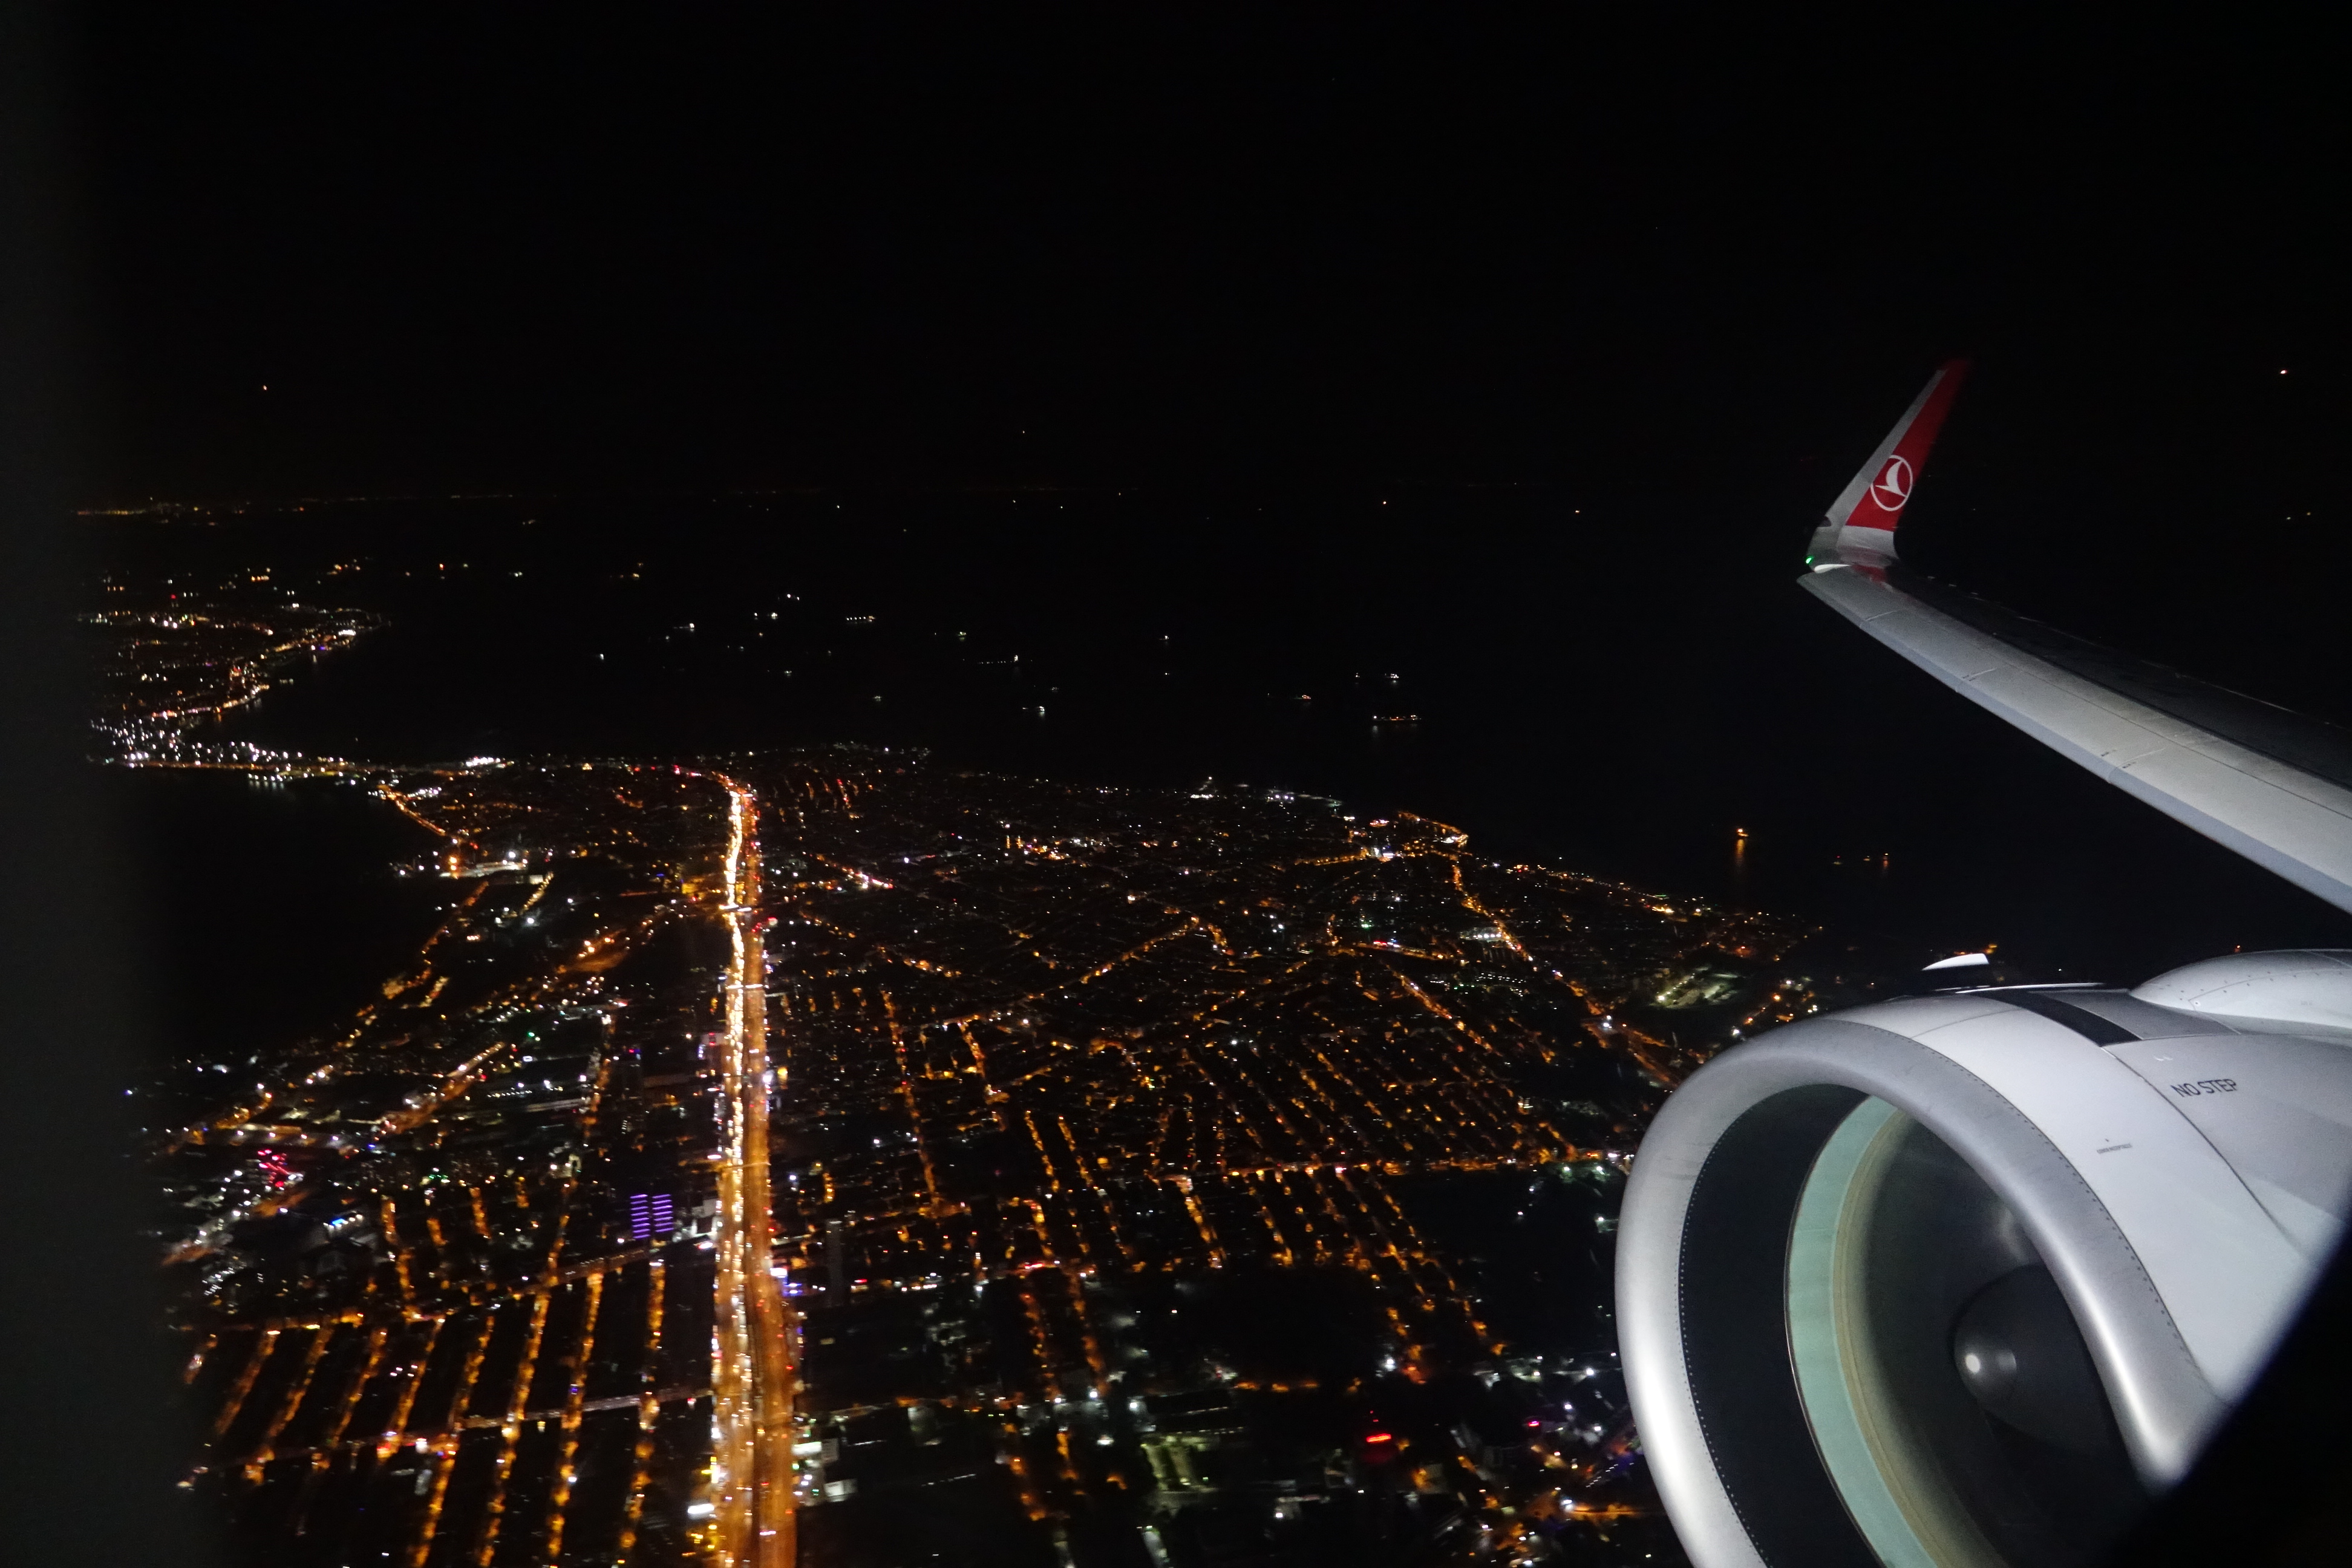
[1967,1278]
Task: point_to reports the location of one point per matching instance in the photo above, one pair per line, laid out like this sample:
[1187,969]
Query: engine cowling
[1967,1278]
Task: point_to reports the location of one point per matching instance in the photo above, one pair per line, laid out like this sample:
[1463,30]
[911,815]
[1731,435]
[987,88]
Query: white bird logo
[1893,486]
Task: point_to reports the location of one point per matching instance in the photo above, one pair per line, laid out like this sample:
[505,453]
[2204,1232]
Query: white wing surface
[2272,784]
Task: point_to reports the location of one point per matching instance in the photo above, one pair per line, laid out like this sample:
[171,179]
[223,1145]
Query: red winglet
[1863,516]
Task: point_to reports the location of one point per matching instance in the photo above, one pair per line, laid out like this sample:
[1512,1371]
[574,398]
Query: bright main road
[751,1475]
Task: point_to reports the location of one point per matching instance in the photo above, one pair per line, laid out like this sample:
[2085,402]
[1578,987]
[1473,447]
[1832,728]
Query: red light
[1535,1423]
[1380,1437]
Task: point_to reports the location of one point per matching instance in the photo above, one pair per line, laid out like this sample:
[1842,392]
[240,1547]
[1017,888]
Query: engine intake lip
[1737,1466]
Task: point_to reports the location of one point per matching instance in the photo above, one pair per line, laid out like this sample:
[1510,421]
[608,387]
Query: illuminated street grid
[1034,1044]
[1082,1099]
[1209,1035]
[1043,1043]
[422,1328]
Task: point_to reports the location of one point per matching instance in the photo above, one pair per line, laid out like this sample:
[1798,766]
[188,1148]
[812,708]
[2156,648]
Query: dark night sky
[1670,278]
[1505,243]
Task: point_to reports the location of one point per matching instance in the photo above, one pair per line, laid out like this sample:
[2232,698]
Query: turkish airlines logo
[1892,487]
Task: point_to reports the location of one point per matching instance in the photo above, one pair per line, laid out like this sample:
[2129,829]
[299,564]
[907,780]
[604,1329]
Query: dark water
[1624,716]
[265,913]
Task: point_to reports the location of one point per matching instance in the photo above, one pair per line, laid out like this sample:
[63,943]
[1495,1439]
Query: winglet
[1859,528]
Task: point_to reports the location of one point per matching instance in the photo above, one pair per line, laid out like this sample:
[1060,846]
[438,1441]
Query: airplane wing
[2272,784]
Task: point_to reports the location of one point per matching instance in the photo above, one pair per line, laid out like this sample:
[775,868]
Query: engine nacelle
[1967,1278]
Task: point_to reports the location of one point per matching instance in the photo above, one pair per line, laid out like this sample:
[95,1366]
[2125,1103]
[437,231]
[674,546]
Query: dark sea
[267,912]
[1456,652]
